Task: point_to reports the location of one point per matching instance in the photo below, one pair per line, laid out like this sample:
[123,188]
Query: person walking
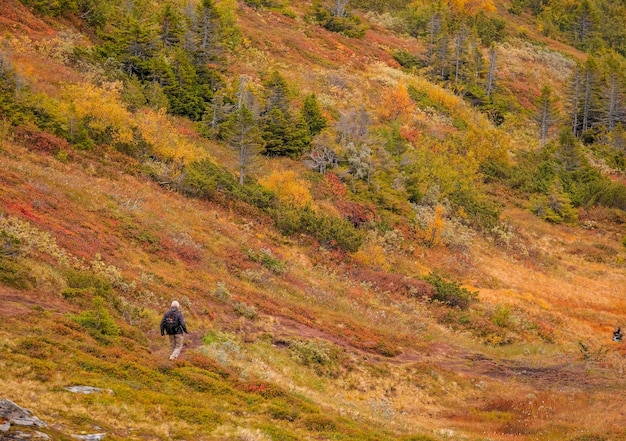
[173,324]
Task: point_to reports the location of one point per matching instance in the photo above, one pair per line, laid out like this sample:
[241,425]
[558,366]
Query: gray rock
[18,415]
[91,437]
[86,389]
[5,427]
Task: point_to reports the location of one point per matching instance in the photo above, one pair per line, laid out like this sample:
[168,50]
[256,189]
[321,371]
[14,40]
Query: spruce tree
[313,116]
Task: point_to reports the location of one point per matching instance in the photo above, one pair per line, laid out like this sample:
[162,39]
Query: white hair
[175,304]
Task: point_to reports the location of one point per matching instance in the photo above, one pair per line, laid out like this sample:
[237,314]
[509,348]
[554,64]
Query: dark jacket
[182,327]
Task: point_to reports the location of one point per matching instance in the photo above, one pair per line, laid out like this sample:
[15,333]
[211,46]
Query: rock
[17,415]
[5,427]
[86,389]
[91,437]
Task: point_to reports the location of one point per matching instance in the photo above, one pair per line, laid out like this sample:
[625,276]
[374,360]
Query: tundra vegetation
[383,220]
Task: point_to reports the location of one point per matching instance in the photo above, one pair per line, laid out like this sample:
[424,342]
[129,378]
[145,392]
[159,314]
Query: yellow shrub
[156,128]
[372,254]
[288,188]
[103,106]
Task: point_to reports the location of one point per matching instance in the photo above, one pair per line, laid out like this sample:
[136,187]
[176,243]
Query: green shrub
[98,321]
[324,358]
[15,273]
[207,180]
[319,423]
[283,411]
[279,434]
[406,59]
[266,258]
[450,293]
[347,24]
[328,230]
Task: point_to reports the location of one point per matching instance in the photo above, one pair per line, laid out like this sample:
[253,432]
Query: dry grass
[561,286]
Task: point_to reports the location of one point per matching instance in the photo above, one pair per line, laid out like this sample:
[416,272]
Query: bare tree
[338,8]
[546,114]
[322,156]
[491,73]
[613,102]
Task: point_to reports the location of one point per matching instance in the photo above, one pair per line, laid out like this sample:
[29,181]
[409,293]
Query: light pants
[176,345]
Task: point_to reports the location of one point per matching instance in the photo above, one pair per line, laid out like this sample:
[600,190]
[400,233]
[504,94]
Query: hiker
[617,334]
[173,324]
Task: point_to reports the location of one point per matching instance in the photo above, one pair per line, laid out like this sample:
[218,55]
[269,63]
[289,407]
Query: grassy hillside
[409,325]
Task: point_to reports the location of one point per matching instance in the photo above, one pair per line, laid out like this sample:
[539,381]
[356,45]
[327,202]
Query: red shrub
[395,283]
[357,213]
[35,140]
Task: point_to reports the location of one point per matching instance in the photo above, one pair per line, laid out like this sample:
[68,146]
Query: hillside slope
[290,339]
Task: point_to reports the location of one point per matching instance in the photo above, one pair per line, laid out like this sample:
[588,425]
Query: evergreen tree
[313,116]
[180,84]
[585,24]
[241,131]
[206,35]
[283,134]
[171,27]
[546,114]
[276,93]
[137,40]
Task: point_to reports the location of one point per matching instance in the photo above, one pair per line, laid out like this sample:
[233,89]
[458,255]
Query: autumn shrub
[40,141]
[449,292]
[245,310]
[319,423]
[266,258]
[283,411]
[327,229]
[321,356]
[359,214]
[341,22]
[394,283]
[289,189]
[98,321]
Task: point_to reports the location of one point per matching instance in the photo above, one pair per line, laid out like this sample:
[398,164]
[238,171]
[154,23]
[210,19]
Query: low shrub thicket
[450,293]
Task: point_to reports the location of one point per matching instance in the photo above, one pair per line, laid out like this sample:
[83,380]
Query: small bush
[346,24]
[266,258]
[319,355]
[319,423]
[245,310]
[221,292]
[450,293]
[14,272]
[98,321]
[282,411]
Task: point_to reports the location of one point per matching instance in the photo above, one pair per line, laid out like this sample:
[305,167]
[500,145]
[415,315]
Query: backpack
[171,322]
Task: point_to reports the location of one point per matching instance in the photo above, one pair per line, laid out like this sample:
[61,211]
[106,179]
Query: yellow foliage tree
[155,127]
[471,7]
[434,232]
[397,104]
[289,189]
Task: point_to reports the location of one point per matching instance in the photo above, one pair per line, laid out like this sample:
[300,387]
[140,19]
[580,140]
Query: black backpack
[172,322]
